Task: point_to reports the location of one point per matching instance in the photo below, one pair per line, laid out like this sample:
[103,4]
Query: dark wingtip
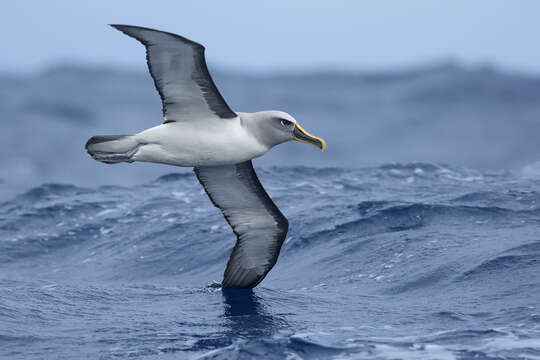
[117,26]
[126,30]
[122,28]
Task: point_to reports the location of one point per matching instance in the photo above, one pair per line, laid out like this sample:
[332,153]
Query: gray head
[275,127]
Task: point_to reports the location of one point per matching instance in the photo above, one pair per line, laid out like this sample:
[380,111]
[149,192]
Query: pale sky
[277,35]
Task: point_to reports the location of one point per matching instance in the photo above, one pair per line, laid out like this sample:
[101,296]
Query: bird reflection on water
[248,316]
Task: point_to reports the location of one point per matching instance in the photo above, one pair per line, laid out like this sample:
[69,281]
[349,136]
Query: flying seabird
[201,131]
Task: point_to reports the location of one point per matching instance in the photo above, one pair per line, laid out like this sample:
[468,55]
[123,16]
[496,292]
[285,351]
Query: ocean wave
[386,217]
[49,191]
[524,258]
[449,258]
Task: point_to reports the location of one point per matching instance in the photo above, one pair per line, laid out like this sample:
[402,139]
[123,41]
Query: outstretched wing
[259,226]
[180,75]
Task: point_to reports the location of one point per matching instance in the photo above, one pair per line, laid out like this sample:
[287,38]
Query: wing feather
[181,77]
[258,224]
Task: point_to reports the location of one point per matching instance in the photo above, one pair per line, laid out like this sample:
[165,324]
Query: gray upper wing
[180,74]
[259,226]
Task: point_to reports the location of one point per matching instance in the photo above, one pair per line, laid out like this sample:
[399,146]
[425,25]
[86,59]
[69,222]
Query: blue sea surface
[474,117]
[399,261]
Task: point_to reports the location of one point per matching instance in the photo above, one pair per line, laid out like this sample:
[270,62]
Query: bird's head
[276,127]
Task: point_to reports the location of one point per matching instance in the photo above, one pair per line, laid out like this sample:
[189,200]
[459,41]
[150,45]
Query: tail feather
[111,149]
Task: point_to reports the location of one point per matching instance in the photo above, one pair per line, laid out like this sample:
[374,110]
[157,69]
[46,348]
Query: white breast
[198,143]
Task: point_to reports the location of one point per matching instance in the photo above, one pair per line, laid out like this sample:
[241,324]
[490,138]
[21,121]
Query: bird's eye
[286,123]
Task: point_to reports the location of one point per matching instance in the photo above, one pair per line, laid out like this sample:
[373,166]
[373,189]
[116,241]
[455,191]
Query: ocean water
[399,261]
[474,117]
[409,260]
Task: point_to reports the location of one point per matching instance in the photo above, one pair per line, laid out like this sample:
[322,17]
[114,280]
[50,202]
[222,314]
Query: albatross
[201,131]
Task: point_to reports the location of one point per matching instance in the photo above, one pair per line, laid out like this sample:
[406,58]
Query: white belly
[198,143]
